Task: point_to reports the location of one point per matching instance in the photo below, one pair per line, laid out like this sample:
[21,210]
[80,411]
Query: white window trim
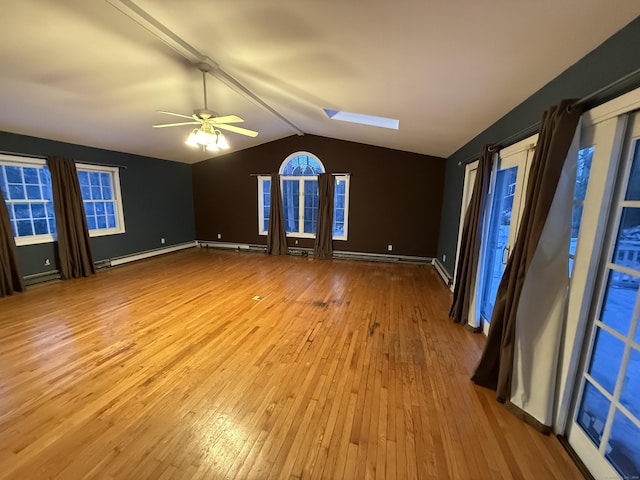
[347,179]
[117,196]
[261,180]
[19,161]
[300,233]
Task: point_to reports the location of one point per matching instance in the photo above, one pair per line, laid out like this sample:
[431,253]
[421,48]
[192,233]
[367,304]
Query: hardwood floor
[169,368]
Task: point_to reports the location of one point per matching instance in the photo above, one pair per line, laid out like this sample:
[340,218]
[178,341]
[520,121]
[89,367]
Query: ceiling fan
[208,135]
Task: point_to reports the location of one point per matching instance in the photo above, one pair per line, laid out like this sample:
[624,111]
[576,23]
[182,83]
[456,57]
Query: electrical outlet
[390,247]
[444,257]
[47,262]
[219,236]
[162,241]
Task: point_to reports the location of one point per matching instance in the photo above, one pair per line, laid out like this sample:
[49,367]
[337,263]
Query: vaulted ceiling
[96,72]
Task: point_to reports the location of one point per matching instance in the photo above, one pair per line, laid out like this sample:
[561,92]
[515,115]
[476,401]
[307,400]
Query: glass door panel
[497,239]
[608,405]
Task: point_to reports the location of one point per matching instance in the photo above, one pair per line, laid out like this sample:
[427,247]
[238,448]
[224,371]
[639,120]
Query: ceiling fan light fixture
[222,142]
[192,139]
[208,139]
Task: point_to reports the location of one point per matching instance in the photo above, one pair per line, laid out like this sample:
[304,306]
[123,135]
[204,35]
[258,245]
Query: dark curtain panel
[276,237]
[74,249]
[471,239]
[323,247]
[10,278]
[556,133]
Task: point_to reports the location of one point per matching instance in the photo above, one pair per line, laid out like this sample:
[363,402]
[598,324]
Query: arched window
[299,183]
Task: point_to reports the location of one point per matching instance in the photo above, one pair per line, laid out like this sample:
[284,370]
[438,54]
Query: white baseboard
[151,253]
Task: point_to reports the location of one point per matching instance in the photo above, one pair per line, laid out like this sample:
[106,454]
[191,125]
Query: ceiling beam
[184,49]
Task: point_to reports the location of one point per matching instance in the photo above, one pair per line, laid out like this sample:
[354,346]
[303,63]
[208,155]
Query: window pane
[106,193]
[25,228]
[52,225]
[624,446]
[111,221]
[100,208]
[16,192]
[619,300]
[89,208]
[38,210]
[302,165]
[96,193]
[110,208]
[571,260]
[21,210]
[605,359]
[593,412]
[630,396]
[14,174]
[584,169]
[266,204]
[31,176]
[94,179]
[91,222]
[633,187]
[41,227]
[33,192]
[83,177]
[627,251]
[86,192]
[291,204]
[105,180]
[101,221]
[576,216]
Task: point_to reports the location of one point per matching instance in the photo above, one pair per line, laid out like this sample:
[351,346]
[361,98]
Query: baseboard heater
[448,279]
[382,257]
[106,263]
[244,247]
[41,277]
[308,252]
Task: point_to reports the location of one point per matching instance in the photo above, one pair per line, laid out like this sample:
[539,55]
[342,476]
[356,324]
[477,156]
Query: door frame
[519,154]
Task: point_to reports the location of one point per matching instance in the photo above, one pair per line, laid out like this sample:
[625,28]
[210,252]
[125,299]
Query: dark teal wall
[157,198]
[612,60]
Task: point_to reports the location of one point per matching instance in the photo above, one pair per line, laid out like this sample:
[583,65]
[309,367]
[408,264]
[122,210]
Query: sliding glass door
[605,427]
[501,222]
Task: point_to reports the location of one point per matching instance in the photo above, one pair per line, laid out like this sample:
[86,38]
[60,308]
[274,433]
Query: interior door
[605,426]
[502,220]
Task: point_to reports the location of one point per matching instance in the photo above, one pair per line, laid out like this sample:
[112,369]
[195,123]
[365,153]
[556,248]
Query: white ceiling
[96,72]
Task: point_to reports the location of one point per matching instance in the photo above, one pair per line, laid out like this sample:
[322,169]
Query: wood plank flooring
[168,368]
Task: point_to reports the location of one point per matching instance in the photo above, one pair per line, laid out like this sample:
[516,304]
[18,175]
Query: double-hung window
[26,187]
[100,188]
[299,184]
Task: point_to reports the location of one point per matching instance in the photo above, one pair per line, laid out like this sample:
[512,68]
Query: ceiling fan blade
[175,124]
[227,119]
[175,114]
[232,128]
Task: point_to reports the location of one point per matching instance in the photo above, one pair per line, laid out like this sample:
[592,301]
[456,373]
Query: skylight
[363,119]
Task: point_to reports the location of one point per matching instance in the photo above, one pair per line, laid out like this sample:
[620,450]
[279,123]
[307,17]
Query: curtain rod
[44,157]
[269,174]
[530,130]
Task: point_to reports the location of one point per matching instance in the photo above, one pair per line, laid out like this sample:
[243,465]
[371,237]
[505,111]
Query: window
[26,186]
[100,188]
[299,183]
[585,156]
